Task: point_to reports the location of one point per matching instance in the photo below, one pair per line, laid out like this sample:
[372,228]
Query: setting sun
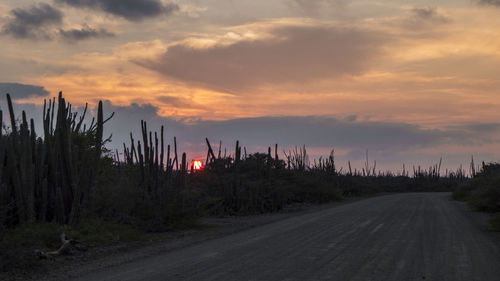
[196,165]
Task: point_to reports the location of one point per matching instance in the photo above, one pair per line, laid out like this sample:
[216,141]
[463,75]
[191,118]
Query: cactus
[175,152]
[12,164]
[1,124]
[12,116]
[237,152]
[276,153]
[210,153]
[161,151]
[52,177]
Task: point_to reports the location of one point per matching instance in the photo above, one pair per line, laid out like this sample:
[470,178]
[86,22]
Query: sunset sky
[411,81]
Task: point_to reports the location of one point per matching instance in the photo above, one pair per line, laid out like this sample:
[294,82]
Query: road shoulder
[113,255]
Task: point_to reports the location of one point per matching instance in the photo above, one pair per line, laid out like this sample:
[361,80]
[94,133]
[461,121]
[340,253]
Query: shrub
[483,192]
[462,192]
[485,199]
[313,189]
[495,222]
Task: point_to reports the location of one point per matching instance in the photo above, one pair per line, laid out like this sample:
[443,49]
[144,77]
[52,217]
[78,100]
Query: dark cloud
[132,10]
[481,129]
[390,143]
[294,54]
[86,32]
[490,2]
[319,131]
[429,14]
[423,21]
[19,91]
[314,131]
[32,22]
[41,22]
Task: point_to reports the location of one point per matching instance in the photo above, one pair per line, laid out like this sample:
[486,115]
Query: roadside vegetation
[66,181]
[482,192]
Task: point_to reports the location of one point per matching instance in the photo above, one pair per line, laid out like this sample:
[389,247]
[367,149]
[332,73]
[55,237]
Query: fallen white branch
[65,247]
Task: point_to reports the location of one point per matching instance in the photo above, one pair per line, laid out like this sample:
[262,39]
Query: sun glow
[196,165]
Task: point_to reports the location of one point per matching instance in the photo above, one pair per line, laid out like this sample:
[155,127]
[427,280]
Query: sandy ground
[414,236]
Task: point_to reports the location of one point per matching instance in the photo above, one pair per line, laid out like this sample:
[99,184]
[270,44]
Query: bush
[181,218]
[495,222]
[485,199]
[483,192]
[312,189]
[462,192]
[99,231]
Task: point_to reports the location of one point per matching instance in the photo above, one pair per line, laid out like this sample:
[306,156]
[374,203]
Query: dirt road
[414,236]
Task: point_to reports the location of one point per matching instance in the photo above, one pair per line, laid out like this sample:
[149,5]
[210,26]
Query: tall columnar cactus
[156,169]
[237,152]
[98,143]
[50,179]
[210,152]
[162,150]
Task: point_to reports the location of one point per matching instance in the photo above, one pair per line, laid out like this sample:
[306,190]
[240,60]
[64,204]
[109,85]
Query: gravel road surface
[412,236]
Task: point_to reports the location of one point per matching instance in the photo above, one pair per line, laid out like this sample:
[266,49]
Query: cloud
[390,143]
[479,66]
[490,2]
[131,10]
[315,6]
[41,22]
[429,14]
[192,11]
[480,129]
[19,91]
[292,54]
[314,131]
[32,22]
[421,19]
[178,102]
[83,33]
